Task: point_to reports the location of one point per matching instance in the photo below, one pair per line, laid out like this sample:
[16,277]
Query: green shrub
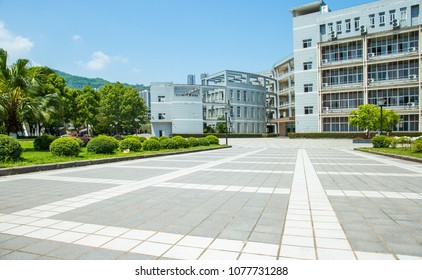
[151,145]
[43,142]
[154,138]
[417,146]
[131,143]
[213,139]
[10,149]
[394,142]
[65,146]
[381,141]
[193,142]
[80,142]
[168,144]
[142,139]
[203,142]
[405,142]
[181,142]
[102,145]
[162,138]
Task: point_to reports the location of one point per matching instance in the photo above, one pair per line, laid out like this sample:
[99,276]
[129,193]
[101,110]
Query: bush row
[349,135]
[230,135]
[68,146]
[405,142]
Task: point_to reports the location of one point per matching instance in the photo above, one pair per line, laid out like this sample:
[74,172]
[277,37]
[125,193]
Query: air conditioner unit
[324,61]
[324,85]
[396,24]
[363,30]
[371,55]
[413,77]
[411,105]
[412,49]
[371,81]
[333,35]
[325,109]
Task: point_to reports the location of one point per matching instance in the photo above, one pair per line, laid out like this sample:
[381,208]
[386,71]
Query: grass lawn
[396,151]
[32,157]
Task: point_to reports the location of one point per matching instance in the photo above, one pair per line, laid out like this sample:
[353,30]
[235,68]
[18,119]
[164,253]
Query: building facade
[191,80]
[245,101]
[356,56]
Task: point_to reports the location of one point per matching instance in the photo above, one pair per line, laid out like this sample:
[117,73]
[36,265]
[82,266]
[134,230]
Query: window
[357,24]
[338,26]
[392,16]
[161,99]
[393,44]
[343,76]
[244,96]
[344,100]
[343,51]
[252,113]
[337,124]
[348,25]
[394,96]
[372,20]
[309,110]
[161,116]
[245,112]
[238,112]
[231,95]
[397,70]
[307,43]
[322,29]
[403,13]
[330,28]
[382,18]
[307,65]
[238,95]
[307,87]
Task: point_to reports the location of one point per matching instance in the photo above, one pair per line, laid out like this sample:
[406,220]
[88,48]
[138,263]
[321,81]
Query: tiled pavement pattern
[262,199]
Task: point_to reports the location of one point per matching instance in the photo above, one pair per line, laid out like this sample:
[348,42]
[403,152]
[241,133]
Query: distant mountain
[73,81]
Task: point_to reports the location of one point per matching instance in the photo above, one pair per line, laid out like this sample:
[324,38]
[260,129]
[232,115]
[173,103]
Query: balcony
[387,82]
[327,86]
[410,52]
[325,63]
[286,105]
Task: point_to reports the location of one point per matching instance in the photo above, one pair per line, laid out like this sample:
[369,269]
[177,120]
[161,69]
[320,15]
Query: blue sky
[143,41]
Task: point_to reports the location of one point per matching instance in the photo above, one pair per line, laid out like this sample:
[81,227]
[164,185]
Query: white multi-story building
[247,100]
[356,56]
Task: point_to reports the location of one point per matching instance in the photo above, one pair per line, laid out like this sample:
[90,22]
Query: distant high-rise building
[191,79]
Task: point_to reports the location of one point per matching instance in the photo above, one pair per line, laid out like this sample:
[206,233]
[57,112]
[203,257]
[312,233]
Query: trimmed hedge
[163,138]
[10,149]
[203,142]
[43,142]
[153,138]
[230,135]
[347,135]
[168,144]
[65,146]
[151,145]
[181,142]
[102,145]
[381,141]
[131,143]
[417,146]
[193,142]
[213,139]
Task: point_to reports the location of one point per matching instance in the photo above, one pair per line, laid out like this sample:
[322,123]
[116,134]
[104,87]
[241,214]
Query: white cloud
[100,60]
[76,38]
[13,44]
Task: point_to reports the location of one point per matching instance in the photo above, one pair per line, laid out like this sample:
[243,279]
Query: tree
[121,109]
[221,126]
[88,101]
[367,117]
[18,99]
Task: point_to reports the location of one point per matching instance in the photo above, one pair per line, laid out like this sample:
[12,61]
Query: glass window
[161,99]
[330,28]
[161,116]
[238,112]
[309,110]
[382,18]
[357,24]
[338,26]
[372,20]
[307,43]
[348,25]
[307,87]
[403,13]
[322,29]
[307,65]
[392,16]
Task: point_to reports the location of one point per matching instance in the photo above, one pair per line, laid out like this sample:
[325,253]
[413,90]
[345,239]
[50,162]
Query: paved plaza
[262,199]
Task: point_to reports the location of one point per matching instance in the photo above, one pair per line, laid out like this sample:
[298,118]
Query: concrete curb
[54,166]
[418,160]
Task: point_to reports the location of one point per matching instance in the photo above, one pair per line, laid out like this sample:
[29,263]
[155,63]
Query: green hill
[73,81]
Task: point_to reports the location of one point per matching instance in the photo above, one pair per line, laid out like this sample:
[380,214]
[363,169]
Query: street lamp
[136,126]
[381,103]
[227,114]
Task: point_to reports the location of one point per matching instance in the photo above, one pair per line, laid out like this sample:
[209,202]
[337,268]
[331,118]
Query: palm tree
[19,101]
